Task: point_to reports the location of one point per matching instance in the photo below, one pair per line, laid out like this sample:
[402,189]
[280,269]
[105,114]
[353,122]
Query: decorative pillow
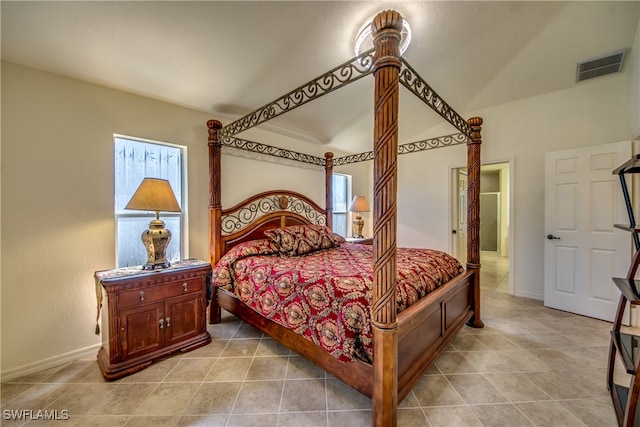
[304,239]
[223,272]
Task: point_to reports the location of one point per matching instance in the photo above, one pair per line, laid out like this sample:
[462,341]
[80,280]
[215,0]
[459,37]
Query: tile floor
[529,366]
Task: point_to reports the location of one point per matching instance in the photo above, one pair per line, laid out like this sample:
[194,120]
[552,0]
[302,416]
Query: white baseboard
[50,362]
[529,295]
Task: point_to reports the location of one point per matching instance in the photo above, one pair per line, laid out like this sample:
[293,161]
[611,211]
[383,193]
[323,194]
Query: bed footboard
[426,328]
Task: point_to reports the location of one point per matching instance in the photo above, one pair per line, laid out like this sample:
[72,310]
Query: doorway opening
[495,224]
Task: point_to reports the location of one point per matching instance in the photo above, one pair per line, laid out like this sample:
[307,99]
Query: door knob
[552,237]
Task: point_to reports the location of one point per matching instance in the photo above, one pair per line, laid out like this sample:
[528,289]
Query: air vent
[600,65]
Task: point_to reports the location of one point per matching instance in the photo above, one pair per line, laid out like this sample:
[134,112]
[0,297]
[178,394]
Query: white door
[583,199]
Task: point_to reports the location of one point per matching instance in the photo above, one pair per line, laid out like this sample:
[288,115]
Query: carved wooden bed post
[328,204]
[215,204]
[385,28]
[473,214]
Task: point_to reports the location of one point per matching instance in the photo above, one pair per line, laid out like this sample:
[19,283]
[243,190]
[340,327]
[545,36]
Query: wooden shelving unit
[626,346]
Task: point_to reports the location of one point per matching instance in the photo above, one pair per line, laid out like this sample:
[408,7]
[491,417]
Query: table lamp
[155,194]
[358,204]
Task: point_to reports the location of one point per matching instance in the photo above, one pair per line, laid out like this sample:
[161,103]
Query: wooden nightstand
[361,240]
[148,314]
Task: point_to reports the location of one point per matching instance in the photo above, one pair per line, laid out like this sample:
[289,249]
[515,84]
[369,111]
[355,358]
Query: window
[341,198]
[136,159]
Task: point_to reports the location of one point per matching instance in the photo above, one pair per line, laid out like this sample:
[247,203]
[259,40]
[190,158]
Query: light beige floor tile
[500,415]
[497,342]
[9,391]
[40,376]
[489,361]
[223,330]
[168,399]
[410,401]
[528,341]
[154,373]
[213,349]
[557,385]
[202,421]
[190,370]
[103,421]
[82,398]
[125,398]
[525,361]
[152,421]
[247,331]
[304,396]
[468,343]
[447,416]
[259,397]
[229,369]
[412,417]
[349,418]
[300,368]
[267,368]
[435,390]
[342,397]
[75,372]
[592,412]
[516,388]
[214,398]
[42,418]
[475,389]
[39,397]
[548,414]
[269,347]
[299,419]
[253,420]
[453,362]
[240,348]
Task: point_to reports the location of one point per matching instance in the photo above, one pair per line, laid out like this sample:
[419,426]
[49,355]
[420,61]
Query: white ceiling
[229,58]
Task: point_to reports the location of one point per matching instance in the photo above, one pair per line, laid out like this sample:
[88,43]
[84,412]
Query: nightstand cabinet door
[142,330]
[183,318]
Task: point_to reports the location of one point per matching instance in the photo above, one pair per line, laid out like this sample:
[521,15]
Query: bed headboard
[271,209]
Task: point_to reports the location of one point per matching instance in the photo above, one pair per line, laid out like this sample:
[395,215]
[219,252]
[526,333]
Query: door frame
[453,217]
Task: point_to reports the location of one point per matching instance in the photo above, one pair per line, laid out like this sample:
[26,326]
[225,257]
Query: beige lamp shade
[359,204]
[154,194]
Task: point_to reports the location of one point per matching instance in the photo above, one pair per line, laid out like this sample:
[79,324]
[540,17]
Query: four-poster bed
[403,344]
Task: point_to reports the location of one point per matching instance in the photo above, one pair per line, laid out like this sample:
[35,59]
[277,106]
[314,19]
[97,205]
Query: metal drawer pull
[162,323]
[168,319]
[141,295]
[184,286]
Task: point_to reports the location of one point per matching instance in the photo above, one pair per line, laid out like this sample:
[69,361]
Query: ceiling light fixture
[364,41]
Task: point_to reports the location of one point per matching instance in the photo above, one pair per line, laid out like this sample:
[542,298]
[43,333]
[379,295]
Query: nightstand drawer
[140,296]
[183,287]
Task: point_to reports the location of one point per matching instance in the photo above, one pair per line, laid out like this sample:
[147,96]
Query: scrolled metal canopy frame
[340,76]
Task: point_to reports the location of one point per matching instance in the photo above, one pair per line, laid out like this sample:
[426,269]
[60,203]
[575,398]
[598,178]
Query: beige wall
[57,202]
[633,79]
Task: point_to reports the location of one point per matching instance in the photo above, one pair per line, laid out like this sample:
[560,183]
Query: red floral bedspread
[325,295]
